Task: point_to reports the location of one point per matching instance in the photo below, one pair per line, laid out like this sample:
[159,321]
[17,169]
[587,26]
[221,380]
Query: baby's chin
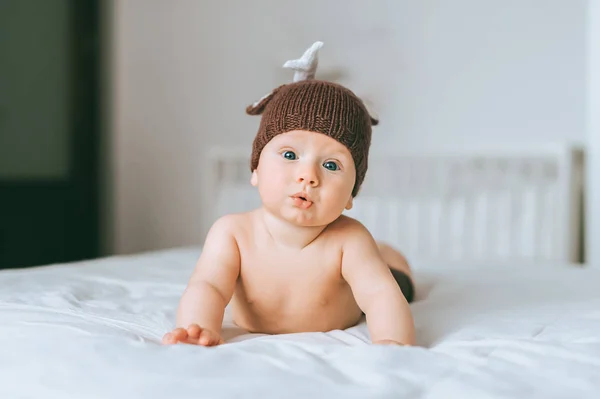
[301,218]
[308,220]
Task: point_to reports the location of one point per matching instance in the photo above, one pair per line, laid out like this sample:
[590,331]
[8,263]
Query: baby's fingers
[194,334]
[209,338]
[175,336]
[180,334]
[194,331]
[169,339]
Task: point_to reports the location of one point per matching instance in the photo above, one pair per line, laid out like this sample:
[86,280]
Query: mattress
[93,330]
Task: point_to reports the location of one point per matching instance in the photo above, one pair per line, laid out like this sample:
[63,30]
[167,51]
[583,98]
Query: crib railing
[500,204]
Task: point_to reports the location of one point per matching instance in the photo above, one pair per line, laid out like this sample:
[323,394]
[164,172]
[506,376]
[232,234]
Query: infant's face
[306,178]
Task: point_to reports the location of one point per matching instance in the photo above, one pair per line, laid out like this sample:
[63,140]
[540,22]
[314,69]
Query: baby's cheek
[275,177]
[272,188]
[335,202]
[341,190]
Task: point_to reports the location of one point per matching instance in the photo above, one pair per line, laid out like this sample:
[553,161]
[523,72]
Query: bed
[93,330]
[503,308]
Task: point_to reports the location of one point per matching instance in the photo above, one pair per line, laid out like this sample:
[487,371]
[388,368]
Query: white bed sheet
[93,330]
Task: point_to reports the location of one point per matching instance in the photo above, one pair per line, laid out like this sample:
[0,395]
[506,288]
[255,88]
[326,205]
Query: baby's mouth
[301,200]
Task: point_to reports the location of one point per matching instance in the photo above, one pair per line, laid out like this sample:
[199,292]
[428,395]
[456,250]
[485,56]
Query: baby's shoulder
[348,229]
[346,224]
[233,224]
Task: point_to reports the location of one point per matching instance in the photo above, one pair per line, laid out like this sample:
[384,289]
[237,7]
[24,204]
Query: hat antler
[306,66]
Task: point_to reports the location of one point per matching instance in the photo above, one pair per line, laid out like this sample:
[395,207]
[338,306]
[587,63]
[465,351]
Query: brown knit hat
[316,106]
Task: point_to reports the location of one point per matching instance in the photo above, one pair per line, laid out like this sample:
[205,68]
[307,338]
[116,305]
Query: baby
[297,264]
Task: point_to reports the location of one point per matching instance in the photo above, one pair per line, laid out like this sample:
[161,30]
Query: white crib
[505,203]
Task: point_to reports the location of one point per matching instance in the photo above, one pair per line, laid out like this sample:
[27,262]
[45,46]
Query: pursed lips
[302,200]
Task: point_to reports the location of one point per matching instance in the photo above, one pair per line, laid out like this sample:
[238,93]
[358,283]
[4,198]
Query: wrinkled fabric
[93,330]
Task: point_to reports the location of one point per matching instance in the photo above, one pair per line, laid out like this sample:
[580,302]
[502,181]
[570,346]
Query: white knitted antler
[306,66]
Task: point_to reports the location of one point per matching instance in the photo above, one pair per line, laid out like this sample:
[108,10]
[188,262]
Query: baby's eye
[289,155]
[331,165]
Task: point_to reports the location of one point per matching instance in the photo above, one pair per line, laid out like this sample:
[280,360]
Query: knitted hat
[316,106]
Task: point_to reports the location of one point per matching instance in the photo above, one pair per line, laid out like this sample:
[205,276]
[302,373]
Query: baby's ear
[350,203]
[258,107]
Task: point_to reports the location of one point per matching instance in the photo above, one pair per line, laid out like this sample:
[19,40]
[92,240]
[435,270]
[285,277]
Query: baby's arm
[210,287]
[388,314]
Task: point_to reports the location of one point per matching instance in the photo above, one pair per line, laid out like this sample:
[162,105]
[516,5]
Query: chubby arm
[388,314]
[212,283]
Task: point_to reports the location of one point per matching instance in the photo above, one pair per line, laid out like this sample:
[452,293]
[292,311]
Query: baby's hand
[194,335]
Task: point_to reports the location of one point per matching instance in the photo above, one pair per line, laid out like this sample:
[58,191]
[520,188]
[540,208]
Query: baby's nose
[308,176]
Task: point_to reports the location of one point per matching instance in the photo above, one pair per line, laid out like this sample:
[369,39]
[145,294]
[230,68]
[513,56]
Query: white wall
[434,70]
[593,134]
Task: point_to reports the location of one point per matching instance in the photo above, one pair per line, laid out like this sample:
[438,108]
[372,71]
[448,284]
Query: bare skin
[296,264]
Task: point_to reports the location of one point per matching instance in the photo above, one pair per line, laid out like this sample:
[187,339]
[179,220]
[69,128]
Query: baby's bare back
[281,290]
